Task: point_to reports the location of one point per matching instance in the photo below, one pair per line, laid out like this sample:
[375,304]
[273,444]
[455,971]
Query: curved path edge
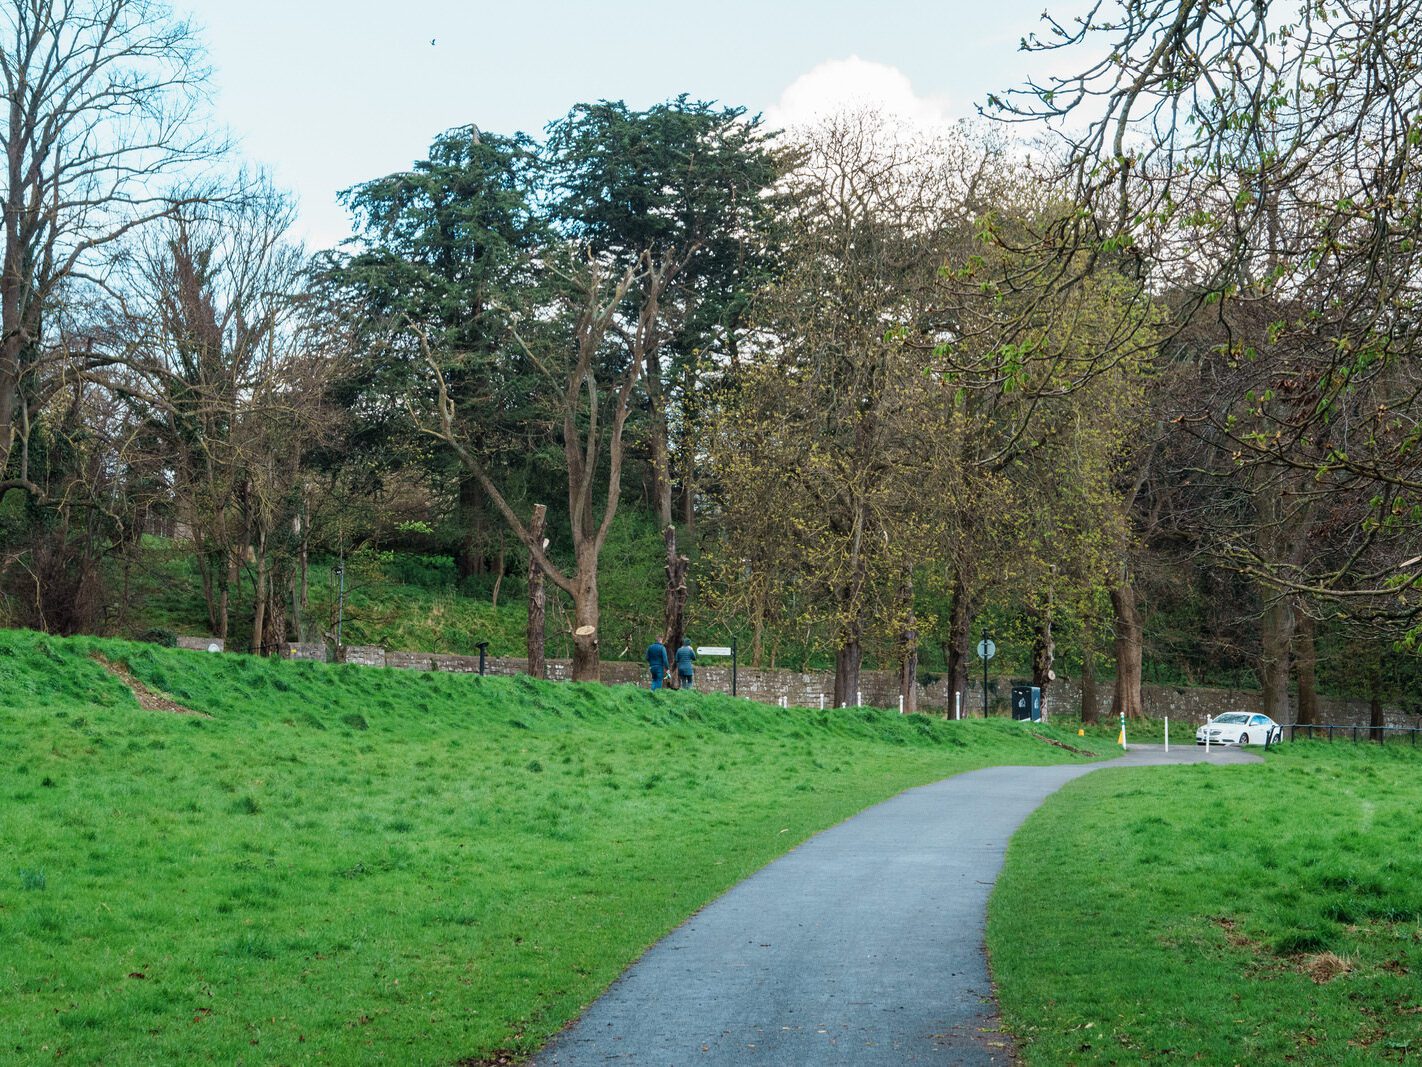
[863,945]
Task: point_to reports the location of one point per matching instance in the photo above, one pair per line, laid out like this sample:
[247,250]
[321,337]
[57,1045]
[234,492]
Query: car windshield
[1232,718]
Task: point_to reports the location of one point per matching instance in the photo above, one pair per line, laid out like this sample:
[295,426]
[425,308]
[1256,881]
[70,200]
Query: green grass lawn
[1265,914]
[346,865]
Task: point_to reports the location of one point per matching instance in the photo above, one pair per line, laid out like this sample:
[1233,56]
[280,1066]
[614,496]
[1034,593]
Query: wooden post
[537,598]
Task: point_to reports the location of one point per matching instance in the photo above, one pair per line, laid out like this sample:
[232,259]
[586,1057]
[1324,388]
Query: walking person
[685,656]
[657,662]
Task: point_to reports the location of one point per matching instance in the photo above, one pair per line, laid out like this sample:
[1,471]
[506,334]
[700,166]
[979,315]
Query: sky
[330,93]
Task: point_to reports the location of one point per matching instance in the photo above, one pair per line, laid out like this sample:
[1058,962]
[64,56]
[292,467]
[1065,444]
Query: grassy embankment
[1265,914]
[347,865]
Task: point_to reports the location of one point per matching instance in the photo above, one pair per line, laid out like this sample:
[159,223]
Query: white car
[1240,728]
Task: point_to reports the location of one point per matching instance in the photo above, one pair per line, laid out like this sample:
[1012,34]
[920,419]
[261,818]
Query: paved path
[864,945]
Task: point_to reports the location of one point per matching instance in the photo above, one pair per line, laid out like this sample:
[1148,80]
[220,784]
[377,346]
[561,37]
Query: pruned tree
[589,381]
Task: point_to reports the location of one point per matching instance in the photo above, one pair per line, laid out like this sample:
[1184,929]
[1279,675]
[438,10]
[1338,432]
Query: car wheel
[1244,739]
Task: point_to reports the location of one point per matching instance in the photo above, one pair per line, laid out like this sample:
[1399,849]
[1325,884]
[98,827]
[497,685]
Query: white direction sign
[987,649]
[713,650]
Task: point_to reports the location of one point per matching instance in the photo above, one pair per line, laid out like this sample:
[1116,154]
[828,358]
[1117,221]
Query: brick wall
[877,688]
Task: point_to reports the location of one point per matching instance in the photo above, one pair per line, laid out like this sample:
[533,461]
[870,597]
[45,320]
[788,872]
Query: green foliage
[462,875]
[1220,915]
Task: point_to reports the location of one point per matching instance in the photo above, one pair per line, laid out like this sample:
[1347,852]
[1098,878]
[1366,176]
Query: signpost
[987,648]
[722,650]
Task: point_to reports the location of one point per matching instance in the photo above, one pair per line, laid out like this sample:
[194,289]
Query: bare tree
[101,102]
[229,390]
[589,394]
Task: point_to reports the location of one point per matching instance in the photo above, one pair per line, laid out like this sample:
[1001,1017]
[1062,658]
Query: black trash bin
[1027,702]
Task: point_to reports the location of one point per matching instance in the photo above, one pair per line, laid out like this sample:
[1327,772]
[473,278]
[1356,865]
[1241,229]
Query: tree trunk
[1276,635]
[279,587]
[469,556]
[688,497]
[224,598]
[1127,696]
[847,660]
[1376,719]
[675,609]
[1043,651]
[259,601]
[908,672]
[499,564]
[209,587]
[657,439]
[1090,712]
[960,621]
[537,597]
[298,583]
[1306,663]
[587,665]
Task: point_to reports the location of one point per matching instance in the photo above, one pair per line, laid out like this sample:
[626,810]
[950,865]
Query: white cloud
[852,84]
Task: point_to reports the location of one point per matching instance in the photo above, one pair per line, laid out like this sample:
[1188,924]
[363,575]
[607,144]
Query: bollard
[1167,733]
[858,699]
[901,703]
[957,704]
[822,702]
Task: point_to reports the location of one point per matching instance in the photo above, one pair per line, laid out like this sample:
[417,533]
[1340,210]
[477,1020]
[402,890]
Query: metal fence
[1381,734]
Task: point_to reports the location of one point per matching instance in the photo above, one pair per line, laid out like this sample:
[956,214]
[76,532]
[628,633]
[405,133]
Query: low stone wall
[1186,705]
[202,644]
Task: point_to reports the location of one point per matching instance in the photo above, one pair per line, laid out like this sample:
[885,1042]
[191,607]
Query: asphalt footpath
[864,945]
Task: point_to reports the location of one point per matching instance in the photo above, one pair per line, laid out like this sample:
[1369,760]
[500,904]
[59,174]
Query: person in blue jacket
[685,656]
[657,662]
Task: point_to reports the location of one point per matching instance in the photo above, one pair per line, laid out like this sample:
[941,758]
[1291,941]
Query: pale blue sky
[328,93]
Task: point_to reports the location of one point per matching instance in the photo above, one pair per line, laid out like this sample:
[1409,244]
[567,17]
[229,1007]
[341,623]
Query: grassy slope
[348,865]
[1183,913]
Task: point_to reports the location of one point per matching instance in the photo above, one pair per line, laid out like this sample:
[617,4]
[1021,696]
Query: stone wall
[201,644]
[1186,705]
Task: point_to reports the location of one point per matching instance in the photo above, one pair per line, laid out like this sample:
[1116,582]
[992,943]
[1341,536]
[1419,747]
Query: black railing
[1307,731]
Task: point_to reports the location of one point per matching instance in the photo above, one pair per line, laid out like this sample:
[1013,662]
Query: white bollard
[782,702]
[822,702]
[1167,733]
[901,703]
[1207,735]
[957,704]
[858,699]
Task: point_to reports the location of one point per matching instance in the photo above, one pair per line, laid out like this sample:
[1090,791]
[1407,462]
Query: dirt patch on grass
[1061,744]
[497,1058]
[1320,967]
[148,699]
[1235,937]
[1323,967]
